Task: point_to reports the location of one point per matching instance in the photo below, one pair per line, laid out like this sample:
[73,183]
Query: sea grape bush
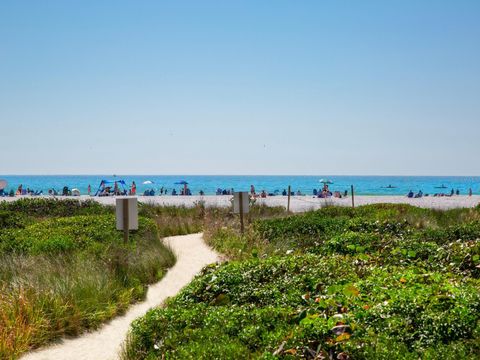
[377,282]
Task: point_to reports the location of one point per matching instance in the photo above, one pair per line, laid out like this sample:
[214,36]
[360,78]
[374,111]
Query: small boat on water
[441,187]
[389,187]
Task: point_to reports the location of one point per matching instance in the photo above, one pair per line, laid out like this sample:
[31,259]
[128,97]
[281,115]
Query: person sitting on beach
[299,193]
[419,195]
[263,194]
[202,193]
[315,192]
[337,194]
[19,190]
[457,192]
[284,192]
[345,194]
[410,194]
[174,192]
[325,194]
[452,192]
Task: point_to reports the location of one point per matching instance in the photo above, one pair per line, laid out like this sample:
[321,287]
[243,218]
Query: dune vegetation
[64,269]
[376,282]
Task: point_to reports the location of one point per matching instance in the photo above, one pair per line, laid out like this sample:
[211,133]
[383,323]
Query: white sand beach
[297,203]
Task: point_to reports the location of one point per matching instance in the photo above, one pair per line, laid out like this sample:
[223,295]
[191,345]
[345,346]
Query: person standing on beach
[89,189]
[252,190]
[470,192]
[133,189]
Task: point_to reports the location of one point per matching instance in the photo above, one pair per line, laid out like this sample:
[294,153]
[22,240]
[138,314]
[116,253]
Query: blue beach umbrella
[181,182]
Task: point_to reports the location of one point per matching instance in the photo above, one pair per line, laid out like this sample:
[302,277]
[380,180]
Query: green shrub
[10,219]
[375,282]
[66,234]
[51,207]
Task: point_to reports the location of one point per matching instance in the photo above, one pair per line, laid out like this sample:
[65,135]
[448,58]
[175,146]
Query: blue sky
[244,87]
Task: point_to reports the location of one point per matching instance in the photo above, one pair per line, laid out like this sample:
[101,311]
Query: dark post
[242,229]
[353,197]
[126,221]
[288,204]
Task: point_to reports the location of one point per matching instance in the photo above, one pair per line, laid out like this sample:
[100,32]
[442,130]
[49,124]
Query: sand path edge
[105,343]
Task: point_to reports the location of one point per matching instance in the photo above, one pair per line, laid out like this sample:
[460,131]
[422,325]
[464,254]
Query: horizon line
[247,175]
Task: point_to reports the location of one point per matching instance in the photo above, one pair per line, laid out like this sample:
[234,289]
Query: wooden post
[353,197]
[126,221]
[242,228]
[288,203]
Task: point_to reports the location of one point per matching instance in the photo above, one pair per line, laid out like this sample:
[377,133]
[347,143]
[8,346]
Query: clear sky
[240,87]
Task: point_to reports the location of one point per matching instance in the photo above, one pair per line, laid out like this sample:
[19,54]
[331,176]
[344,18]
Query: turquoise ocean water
[364,185]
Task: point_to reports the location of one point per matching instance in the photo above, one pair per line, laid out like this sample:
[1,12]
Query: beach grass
[64,269]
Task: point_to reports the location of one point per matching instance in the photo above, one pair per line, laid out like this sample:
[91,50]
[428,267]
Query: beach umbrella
[3,184]
[326,181]
[181,182]
[148,182]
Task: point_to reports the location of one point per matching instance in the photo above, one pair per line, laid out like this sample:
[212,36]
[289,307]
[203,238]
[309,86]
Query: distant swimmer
[390,187]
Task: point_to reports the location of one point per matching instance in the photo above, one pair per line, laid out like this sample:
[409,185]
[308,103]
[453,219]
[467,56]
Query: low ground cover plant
[377,282]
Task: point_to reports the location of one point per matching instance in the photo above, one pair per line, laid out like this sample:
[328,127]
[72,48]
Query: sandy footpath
[192,255]
[298,203]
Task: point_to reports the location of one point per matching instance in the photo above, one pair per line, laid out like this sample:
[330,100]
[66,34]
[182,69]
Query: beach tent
[111,182]
[148,182]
